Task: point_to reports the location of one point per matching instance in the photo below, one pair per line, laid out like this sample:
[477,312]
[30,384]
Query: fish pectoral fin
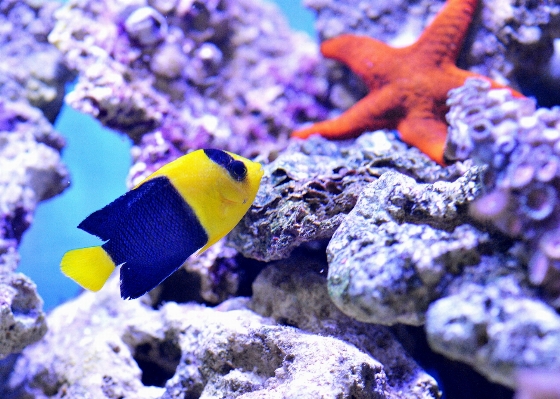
[208,245]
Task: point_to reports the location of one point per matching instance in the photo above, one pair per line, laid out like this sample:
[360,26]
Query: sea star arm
[441,41]
[377,110]
[408,86]
[423,131]
[364,55]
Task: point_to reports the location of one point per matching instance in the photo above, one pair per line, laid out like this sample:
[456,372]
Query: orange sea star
[407,86]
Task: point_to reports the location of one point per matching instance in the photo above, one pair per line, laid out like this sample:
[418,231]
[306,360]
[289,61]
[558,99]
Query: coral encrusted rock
[32,69]
[22,321]
[400,245]
[30,171]
[184,75]
[31,89]
[128,349]
[520,145]
[492,320]
[294,292]
[307,191]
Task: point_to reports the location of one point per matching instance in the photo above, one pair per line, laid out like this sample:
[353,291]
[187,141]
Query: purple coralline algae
[521,147]
[178,75]
[31,90]
[32,69]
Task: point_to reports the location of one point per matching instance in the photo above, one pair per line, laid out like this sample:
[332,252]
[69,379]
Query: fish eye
[237,170]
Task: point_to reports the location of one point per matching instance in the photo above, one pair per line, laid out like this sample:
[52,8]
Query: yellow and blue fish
[182,208]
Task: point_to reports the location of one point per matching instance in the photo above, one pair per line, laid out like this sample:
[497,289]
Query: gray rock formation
[31,89]
[492,320]
[128,349]
[400,245]
[294,292]
[30,171]
[308,190]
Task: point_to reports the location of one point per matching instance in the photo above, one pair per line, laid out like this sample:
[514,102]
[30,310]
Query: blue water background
[98,160]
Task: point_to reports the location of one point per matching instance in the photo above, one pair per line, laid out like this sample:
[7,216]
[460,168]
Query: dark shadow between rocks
[180,287]
[456,380]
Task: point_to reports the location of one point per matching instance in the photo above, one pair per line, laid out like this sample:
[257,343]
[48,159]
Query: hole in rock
[158,361]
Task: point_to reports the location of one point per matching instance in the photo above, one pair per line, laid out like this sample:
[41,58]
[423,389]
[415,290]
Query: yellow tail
[90,267]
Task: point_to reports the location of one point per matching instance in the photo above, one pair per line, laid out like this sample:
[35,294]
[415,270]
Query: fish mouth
[232,202]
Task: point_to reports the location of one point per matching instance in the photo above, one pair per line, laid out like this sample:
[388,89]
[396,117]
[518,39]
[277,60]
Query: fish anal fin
[137,278]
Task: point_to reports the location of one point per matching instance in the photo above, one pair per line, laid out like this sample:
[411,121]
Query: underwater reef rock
[32,69]
[307,191]
[217,274]
[515,39]
[31,90]
[403,241]
[31,167]
[294,293]
[178,75]
[493,321]
[128,349]
[380,20]
[521,146]
[30,171]
[511,42]
[407,254]
[218,271]
[22,321]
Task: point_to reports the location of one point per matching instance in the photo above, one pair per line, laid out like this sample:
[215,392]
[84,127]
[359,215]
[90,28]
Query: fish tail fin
[90,267]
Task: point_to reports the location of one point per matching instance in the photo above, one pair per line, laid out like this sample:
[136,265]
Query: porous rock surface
[32,82]
[31,69]
[400,245]
[294,292]
[307,191]
[30,171]
[22,320]
[520,145]
[128,349]
[492,320]
[410,253]
[182,75]
[401,253]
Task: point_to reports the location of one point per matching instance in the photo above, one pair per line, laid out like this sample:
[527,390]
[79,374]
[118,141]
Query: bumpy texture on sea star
[408,86]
